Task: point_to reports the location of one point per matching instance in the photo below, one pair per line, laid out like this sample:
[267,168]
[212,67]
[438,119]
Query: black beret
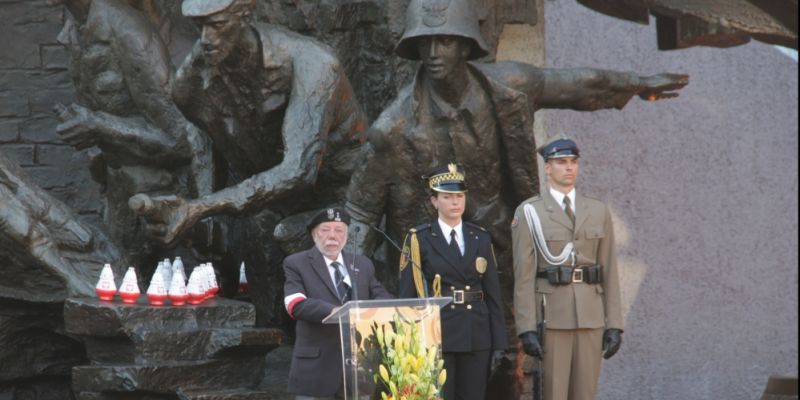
[333,214]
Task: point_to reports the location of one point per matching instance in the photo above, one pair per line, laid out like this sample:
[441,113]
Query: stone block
[13,104]
[39,129]
[93,317]
[9,130]
[151,347]
[29,23]
[238,394]
[55,56]
[154,346]
[123,396]
[22,154]
[47,177]
[54,154]
[233,372]
[32,343]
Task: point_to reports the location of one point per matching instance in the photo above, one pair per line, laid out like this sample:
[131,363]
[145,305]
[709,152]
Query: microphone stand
[394,244]
[356,229]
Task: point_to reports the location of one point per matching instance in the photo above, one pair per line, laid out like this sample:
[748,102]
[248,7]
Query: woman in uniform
[454,258]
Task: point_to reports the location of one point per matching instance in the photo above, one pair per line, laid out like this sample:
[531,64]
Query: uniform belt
[462,297]
[578,275]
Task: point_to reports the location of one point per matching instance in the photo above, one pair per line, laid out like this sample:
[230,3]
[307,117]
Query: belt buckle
[577,275]
[458,297]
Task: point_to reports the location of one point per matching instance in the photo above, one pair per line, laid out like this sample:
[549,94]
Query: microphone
[354,281]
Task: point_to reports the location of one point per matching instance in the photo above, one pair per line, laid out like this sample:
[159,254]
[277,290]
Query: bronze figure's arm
[588,89]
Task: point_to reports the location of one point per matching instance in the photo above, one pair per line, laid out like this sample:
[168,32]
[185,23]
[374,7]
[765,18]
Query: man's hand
[167,217]
[78,125]
[612,339]
[531,345]
[662,86]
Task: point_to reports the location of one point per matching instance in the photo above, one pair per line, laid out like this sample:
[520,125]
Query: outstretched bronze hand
[167,218]
[78,125]
[662,86]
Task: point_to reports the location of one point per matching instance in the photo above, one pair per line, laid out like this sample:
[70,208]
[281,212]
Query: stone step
[235,371]
[150,347]
[92,317]
[236,394]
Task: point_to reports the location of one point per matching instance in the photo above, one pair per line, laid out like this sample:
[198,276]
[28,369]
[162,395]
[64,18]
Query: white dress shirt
[459,235]
[559,197]
[332,270]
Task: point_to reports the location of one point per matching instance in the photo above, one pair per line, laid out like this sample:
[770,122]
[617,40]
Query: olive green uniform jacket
[575,305]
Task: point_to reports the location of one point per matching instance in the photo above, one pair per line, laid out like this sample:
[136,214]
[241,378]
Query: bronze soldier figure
[480,114]
[282,115]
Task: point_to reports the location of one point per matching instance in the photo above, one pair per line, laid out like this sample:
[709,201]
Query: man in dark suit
[318,281]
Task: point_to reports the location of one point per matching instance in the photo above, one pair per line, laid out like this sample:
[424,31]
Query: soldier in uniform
[565,272]
[452,257]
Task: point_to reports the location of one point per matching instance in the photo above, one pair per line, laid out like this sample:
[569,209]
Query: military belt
[565,275]
[462,297]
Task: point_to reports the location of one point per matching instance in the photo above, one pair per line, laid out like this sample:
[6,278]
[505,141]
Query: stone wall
[33,77]
[705,193]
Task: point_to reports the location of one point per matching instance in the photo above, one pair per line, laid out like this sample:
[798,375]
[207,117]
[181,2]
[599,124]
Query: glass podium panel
[391,347]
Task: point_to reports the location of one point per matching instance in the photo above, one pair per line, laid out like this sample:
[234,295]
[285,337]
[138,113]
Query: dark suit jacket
[316,368]
[480,327]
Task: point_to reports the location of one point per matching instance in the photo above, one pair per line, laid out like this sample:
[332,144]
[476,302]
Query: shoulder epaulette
[420,228]
[475,226]
[592,197]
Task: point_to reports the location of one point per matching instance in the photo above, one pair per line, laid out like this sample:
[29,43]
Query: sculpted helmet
[204,8]
[441,17]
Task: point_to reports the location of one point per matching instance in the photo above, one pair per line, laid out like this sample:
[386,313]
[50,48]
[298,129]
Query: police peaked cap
[447,179]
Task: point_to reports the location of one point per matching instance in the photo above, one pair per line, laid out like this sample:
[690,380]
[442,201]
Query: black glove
[531,345]
[612,339]
[498,359]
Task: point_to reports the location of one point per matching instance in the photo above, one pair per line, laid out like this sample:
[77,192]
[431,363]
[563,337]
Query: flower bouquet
[408,369]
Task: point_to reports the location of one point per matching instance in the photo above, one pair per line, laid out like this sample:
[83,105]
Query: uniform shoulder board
[592,197]
[475,226]
[420,228]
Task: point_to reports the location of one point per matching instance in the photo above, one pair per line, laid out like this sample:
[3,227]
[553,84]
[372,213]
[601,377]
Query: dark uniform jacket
[316,368]
[472,326]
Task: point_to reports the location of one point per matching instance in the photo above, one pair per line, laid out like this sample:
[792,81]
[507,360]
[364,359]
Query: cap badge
[330,214]
[435,12]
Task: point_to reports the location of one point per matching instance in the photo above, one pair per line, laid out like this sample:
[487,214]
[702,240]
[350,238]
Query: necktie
[568,210]
[454,243]
[342,289]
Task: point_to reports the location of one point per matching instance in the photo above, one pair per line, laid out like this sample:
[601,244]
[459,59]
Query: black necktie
[454,243]
[568,210]
[341,286]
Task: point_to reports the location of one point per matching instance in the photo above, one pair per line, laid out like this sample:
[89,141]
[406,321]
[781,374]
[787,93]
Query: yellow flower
[442,377]
[384,373]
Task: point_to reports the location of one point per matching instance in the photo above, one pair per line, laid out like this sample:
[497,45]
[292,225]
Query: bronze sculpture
[283,116]
[479,114]
[122,72]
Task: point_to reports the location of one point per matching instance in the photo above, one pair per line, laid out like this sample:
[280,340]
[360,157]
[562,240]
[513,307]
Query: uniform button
[466,288]
[469,306]
[452,306]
